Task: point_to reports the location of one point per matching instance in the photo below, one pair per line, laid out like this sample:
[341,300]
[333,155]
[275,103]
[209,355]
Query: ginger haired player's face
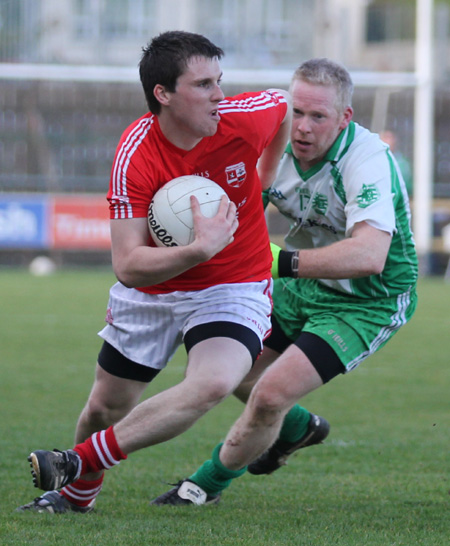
[316,122]
[191,111]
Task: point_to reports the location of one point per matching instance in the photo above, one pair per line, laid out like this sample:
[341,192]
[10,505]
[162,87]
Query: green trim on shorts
[354,327]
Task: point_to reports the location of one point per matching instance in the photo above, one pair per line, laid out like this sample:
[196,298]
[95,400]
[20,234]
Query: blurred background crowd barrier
[69,86]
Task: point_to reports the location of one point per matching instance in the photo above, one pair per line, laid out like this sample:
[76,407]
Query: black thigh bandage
[115,363]
[240,333]
[278,340]
[321,355]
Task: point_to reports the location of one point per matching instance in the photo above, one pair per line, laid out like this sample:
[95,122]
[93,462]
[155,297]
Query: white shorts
[148,328]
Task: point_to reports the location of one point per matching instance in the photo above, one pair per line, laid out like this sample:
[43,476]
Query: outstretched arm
[361,255]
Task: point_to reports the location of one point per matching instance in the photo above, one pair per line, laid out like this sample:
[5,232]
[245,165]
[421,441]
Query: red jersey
[145,160]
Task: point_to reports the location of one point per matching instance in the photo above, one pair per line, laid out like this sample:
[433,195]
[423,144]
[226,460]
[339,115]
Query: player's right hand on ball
[214,234]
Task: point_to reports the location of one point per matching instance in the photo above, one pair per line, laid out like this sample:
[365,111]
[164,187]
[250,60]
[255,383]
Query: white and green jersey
[358,180]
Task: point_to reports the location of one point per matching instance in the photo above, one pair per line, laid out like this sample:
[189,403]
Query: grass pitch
[381,478]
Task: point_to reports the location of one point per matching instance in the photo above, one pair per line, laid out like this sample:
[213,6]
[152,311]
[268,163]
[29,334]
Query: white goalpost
[424,132]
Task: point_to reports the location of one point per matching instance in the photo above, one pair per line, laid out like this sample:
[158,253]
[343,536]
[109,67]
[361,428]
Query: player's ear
[161,94]
[347,116]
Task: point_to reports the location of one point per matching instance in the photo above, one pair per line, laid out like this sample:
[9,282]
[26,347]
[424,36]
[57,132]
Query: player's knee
[102,414]
[98,415]
[212,393]
[218,391]
[268,399]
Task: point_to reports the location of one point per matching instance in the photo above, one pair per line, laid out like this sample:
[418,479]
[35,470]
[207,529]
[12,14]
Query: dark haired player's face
[193,108]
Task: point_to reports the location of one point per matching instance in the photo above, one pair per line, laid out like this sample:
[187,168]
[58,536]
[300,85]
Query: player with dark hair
[213,295]
[347,279]
[167,57]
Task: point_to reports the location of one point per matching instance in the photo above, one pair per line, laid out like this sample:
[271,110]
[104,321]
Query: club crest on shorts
[236,174]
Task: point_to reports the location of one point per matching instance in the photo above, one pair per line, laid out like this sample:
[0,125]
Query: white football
[42,266]
[170,217]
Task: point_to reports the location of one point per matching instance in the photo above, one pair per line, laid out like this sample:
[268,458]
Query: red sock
[100,452]
[82,492]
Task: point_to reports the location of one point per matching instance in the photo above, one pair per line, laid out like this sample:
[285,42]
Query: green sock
[212,476]
[295,424]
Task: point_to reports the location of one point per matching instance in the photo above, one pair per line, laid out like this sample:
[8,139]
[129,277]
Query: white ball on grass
[42,266]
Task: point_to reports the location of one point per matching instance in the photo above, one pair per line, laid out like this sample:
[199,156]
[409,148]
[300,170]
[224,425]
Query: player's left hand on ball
[214,234]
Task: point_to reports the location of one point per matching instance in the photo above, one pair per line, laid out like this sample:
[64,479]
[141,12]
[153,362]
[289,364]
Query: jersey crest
[236,174]
[369,194]
[320,203]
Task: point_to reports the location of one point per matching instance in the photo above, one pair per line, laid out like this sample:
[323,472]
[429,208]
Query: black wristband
[285,263]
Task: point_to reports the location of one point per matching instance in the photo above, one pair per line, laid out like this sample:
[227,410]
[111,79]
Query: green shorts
[353,327]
